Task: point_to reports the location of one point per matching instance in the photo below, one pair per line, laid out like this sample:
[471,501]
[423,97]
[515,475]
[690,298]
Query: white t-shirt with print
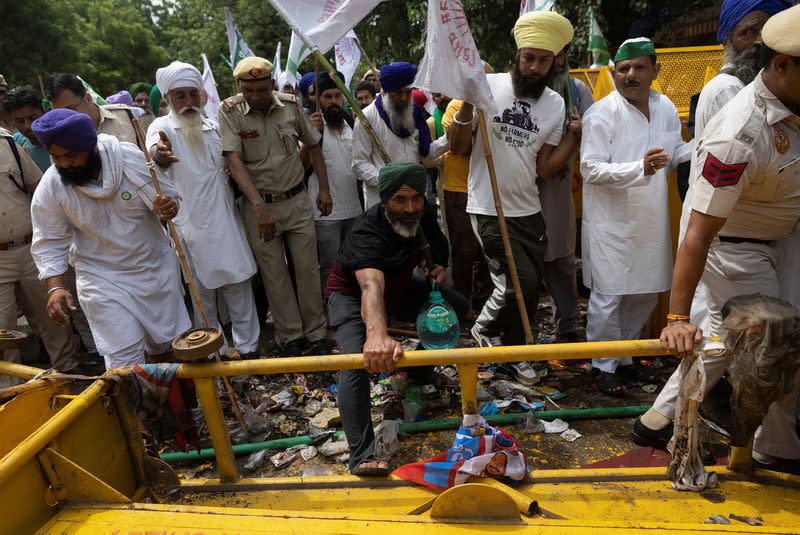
[516,134]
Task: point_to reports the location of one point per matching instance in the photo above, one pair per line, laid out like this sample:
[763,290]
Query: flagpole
[226,60]
[501,222]
[366,57]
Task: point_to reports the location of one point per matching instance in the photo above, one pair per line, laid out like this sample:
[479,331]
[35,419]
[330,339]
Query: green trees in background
[112,43]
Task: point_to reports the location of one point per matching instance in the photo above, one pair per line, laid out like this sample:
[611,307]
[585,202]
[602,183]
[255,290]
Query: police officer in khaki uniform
[260,130]
[745,189]
[67,91]
[19,278]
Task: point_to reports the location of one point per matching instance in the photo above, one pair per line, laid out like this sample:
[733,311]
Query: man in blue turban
[399,124]
[96,208]
[305,86]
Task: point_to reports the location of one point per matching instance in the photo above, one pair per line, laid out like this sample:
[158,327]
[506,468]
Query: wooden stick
[187,272]
[501,222]
[316,83]
[367,58]
[41,84]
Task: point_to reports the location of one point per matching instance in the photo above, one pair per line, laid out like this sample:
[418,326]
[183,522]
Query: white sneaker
[525,373]
[483,340]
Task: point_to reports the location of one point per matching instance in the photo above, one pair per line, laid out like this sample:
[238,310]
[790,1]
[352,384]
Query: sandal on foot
[638,373]
[610,384]
[377,468]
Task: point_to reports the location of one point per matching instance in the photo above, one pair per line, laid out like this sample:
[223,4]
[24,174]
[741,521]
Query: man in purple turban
[96,208]
[399,125]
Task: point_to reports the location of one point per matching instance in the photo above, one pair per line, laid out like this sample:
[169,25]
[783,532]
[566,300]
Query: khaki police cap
[252,68]
[780,32]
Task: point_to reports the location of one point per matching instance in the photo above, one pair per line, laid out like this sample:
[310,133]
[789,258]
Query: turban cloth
[326,82]
[395,175]
[66,128]
[155,99]
[543,29]
[395,76]
[634,48]
[733,11]
[123,97]
[139,87]
[178,74]
[306,81]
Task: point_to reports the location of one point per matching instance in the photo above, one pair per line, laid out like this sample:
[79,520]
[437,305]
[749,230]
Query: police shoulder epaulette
[755,122]
[231,102]
[5,133]
[286,97]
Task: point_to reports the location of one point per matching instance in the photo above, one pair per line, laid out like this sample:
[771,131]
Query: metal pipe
[19,371]
[209,402]
[457,356]
[179,457]
[39,439]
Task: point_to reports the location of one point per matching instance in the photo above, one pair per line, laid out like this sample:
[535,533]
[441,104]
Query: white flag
[451,64]
[298,51]
[348,56]
[236,43]
[276,63]
[324,21]
[210,90]
[535,5]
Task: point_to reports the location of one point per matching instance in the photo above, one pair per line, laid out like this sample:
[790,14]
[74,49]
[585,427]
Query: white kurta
[121,254]
[337,150]
[208,221]
[626,240]
[367,160]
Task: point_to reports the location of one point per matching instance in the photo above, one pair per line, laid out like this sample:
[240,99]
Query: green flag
[236,43]
[597,44]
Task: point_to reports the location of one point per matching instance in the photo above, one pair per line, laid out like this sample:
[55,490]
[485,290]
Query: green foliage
[112,43]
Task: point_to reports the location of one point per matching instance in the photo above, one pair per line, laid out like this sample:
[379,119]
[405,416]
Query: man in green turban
[372,280]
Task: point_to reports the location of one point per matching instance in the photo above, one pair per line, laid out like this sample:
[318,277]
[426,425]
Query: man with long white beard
[558,209]
[187,145]
[526,140]
[400,126]
[96,207]
[371,280]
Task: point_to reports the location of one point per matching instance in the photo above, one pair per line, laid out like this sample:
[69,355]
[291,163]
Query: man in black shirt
[371,280]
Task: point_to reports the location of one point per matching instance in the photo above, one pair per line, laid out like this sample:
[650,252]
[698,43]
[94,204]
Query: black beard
[334,115]
[747,63]
[527,88]
[80,176]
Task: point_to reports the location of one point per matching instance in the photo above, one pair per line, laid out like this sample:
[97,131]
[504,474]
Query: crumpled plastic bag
[386,439]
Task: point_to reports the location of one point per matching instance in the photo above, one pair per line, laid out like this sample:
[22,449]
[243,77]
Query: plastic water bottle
[437,323]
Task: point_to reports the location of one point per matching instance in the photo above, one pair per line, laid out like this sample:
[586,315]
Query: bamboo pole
[316,83]
[187,272]
[501,222]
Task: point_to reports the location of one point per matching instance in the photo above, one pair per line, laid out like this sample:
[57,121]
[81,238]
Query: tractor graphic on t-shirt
[518,115]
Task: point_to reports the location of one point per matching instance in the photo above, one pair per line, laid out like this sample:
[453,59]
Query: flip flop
[611,385]
[370,471]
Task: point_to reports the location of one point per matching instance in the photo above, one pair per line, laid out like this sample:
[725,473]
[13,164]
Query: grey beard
[405,231]
[747,63]
[402,119]
[558,83]
[191,127]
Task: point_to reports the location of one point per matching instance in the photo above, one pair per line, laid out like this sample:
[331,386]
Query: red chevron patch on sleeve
[720,174]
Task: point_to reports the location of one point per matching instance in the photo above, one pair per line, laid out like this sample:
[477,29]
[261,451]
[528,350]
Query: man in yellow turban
[527,143]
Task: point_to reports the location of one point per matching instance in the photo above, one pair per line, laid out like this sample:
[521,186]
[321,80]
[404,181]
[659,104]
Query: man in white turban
[188,147]
[526,140]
